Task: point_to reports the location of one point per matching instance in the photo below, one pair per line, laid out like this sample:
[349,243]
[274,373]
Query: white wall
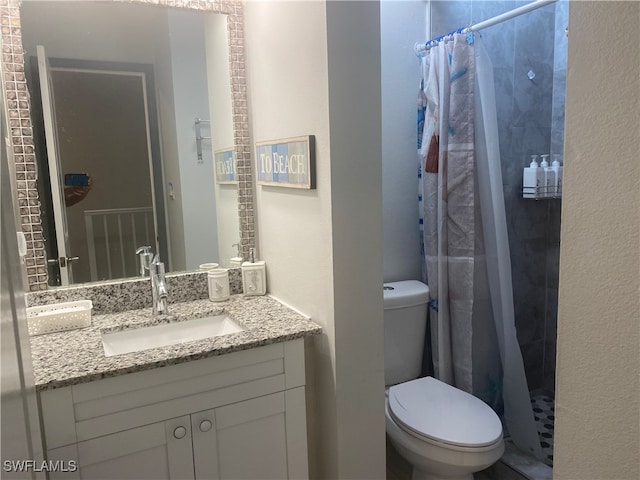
[288,96]
[597,412]
[89,30]
[353,37]
[166,110]
[323,246]
[220,106]
[402,24]
[196,183]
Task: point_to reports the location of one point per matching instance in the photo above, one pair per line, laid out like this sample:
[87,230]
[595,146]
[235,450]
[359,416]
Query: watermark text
[58,466]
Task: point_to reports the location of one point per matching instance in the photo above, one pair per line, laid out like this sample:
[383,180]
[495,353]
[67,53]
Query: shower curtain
[465,245]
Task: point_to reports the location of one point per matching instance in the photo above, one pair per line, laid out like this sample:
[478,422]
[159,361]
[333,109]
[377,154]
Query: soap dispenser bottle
[254,276]
[549,184]
[531,179]
[557,168]
[237,260]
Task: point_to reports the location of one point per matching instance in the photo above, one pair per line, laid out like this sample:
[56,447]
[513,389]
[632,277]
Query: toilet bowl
[443,432]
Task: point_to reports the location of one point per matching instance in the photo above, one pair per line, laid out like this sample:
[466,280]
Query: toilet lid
[440,412]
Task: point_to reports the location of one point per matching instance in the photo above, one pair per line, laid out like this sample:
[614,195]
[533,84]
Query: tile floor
[399,469]
[544,414]
[524,464]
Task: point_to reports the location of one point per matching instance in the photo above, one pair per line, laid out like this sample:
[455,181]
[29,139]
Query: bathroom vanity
[226,407]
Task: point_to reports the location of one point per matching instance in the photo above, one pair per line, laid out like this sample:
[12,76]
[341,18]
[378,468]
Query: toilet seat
[436,412]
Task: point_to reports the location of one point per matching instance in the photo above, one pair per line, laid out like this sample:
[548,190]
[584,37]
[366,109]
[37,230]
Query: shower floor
[544,414]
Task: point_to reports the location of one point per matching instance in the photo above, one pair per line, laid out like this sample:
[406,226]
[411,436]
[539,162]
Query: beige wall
[598,369]
[323,246]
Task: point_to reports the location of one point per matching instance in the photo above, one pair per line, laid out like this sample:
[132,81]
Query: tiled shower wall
[530,121]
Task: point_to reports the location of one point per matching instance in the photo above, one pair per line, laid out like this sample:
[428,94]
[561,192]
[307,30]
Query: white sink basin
[138,339]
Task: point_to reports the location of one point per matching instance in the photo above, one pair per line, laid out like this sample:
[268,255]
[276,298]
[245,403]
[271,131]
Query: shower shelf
[529,193]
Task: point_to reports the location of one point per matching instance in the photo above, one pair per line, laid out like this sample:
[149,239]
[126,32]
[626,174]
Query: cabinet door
[244,440]
[158,451]
[205,449]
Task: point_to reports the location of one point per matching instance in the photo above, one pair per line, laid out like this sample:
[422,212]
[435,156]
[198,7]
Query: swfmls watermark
[57,466]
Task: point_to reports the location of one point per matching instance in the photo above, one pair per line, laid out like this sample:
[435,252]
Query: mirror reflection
[116,91]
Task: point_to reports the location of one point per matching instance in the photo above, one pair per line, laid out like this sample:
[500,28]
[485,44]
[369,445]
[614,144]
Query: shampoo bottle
[555,165]
[532,179]
[549,183]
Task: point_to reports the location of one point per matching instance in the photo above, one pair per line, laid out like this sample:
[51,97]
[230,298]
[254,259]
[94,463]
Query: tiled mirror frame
[21,134]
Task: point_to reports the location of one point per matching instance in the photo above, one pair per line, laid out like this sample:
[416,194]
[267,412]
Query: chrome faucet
[158,287]
[146,257]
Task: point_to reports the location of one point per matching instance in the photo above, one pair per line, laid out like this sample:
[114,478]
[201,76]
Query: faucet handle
[145,258]
[143,249]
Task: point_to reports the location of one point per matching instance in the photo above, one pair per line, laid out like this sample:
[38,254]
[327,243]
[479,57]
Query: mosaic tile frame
[18,110]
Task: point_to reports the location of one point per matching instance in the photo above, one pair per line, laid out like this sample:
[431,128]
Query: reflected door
[104,123]
[64,261]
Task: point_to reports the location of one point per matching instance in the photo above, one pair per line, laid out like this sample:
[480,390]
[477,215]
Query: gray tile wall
[530,121]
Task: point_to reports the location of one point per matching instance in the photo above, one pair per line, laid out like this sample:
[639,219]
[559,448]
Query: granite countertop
[77,356]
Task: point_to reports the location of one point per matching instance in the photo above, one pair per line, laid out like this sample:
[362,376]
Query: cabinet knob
[179,432]
[205,425]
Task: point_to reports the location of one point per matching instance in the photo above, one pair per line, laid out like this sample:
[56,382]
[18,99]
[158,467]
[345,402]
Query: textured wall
[597,410]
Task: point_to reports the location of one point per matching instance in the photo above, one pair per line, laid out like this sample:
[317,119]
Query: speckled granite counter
[131,293]
[77,356]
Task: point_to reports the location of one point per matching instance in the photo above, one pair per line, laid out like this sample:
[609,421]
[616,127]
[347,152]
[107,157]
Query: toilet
[443,432]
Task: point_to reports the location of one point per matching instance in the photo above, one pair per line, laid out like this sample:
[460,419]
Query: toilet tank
[405,323]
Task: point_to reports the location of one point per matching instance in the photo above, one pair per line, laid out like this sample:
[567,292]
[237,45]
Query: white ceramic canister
[218,280]
[254,278]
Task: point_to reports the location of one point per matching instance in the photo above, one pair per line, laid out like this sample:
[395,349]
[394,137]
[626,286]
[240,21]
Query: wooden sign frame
[289,162]
[221,159]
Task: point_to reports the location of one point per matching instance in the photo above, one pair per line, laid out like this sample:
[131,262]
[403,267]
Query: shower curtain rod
[516,12]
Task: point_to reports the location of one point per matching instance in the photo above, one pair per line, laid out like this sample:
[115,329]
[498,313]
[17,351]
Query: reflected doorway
[106,124]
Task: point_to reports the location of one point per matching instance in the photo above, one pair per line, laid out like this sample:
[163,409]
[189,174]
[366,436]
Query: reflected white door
[64,260]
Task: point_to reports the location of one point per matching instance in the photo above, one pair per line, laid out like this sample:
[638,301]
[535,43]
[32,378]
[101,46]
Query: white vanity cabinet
[239,415]
[153,451]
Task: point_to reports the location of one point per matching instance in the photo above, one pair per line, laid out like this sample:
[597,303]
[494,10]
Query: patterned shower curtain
[466,256]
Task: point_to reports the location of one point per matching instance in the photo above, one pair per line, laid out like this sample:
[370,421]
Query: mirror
[151,181]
